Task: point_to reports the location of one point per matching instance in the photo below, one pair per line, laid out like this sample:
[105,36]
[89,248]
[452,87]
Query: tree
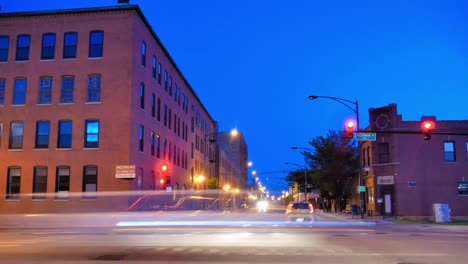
[333,163]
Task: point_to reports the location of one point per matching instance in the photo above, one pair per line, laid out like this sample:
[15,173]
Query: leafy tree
[333,163]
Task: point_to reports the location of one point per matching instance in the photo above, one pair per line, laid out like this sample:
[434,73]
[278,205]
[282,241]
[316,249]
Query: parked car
[300,211]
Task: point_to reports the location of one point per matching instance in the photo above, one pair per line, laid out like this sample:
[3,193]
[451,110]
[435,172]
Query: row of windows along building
[79,100]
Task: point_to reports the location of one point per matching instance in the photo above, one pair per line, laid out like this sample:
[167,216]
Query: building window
[158,112]
[13,183]
[169,120]
[4,42]
[62,182]
[96,43]
[164,149]
[153,64]
[48,46]
[94,88]
[70,41]
[1,131]
[153,105]
[449,151]
[142,95]
[165,81]
[143,54]
[158,147]
[384,155]
[22,47]
[165,115]
[92,134]
[16,135]
[159,72]
[19,92]
[68,86]
[191,151]
[462,188]
[174,153]
[466,145]
[64,134]
[42,134]
[170,86]
[39,182]
[2,91]
[45,90]
[90,175]
[141,138]
[152,137]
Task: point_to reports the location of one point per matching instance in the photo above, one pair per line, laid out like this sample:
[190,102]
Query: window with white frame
[68,86]
[48,46]
[91,134]
[42,134]
[16,135]
[13,183]
[45,90]
[62,182]
[94,88]
[90,175]
[39,182]
[449,151]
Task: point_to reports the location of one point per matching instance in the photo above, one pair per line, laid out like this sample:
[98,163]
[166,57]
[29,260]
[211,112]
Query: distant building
[234,149]
[91,101]
[406,174]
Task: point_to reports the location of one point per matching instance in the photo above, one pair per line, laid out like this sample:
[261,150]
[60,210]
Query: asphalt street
[223,237]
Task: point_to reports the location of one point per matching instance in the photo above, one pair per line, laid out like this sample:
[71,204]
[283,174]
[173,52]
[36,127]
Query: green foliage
[333,164]
[213,183]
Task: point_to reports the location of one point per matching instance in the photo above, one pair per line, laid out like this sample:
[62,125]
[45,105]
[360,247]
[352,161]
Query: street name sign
[361,136]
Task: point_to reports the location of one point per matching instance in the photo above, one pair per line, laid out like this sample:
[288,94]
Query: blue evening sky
[254,62]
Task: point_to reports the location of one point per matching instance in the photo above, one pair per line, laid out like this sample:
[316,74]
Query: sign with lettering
[125,172]
[385,180]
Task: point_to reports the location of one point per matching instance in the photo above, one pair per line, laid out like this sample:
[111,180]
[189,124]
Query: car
[262,206]
[300,211]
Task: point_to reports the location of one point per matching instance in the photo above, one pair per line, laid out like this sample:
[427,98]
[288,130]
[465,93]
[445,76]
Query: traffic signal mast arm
[412,132]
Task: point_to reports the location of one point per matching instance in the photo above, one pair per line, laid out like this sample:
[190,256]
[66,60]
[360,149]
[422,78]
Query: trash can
[442,213]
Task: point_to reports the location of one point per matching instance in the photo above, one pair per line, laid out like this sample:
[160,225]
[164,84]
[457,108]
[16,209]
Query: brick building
[406,174]
[91,101]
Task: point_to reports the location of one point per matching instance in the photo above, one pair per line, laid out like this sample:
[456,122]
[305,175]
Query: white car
[262,206]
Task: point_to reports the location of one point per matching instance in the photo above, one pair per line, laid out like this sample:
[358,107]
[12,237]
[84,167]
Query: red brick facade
[408,174]
[123,107]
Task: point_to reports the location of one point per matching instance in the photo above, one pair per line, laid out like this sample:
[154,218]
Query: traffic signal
[427,126]
[349,128]
[164,168]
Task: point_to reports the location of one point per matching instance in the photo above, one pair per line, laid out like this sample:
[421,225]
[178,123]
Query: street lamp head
[312,97]
[234,132]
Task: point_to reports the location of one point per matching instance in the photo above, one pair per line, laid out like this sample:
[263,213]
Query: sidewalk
[350,217]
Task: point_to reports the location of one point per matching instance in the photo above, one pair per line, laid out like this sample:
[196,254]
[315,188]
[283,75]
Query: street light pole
[347,103]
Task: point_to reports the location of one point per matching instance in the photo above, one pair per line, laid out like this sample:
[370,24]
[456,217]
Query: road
[227,237]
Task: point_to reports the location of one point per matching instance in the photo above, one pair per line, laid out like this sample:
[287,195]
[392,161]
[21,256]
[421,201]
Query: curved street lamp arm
[339,100]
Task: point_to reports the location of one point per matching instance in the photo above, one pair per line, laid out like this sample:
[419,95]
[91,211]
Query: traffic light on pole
[427,127]
[349,128]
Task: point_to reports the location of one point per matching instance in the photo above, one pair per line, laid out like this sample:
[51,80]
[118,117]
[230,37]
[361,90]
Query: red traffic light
[350,124]
[164,167]
[427,126]
[349,127]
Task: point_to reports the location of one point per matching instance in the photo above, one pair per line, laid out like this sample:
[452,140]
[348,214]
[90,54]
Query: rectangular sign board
[361,188]
[361,136]
[125,172]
